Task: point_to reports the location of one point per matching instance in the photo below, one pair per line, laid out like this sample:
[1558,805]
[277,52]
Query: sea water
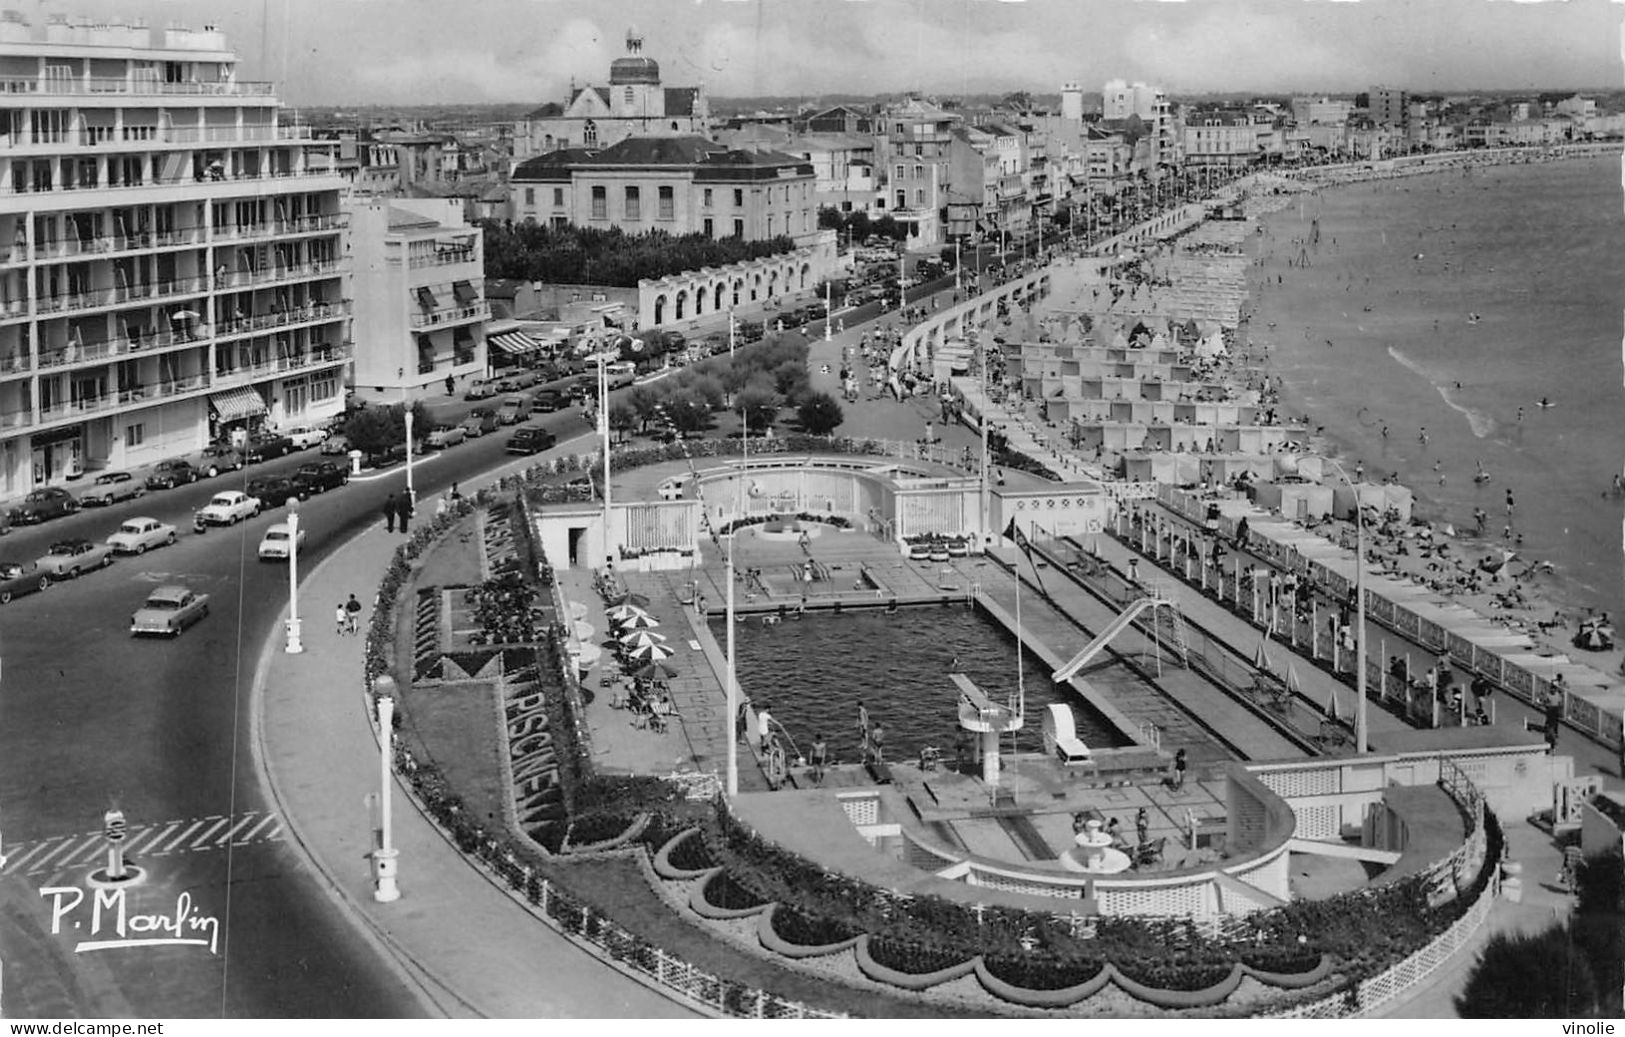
[1458,303]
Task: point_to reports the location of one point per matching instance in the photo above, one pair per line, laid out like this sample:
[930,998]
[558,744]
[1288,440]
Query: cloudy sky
[435,51]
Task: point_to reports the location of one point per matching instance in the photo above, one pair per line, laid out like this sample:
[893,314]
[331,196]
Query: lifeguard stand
[988,719]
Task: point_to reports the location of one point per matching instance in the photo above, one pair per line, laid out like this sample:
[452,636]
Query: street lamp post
[829,309]
[732,674]
[384,858]
[294,645]
[1361,732]
[732,332]
[603,431]
[406,406]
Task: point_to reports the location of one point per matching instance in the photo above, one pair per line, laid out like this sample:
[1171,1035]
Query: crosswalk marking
[82,849]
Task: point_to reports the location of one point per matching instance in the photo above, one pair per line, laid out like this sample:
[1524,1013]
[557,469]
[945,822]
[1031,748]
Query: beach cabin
[1304,502]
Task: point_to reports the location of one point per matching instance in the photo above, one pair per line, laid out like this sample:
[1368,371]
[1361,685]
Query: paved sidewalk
[464,943]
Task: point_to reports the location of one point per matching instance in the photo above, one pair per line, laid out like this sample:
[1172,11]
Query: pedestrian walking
[1179,770]
[877,744]
[820,753]
[389,513]
[403,510]
[352,615]
[451,386]
[764,725]
[456,494]
[340,618]
[1142,827]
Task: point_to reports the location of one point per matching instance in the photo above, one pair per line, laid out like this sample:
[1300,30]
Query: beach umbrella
[581,631]
[652,652]
[577,610]
[639,638]
[637,601]
[621,613]
[1261,659]
[638,621]
[655,671]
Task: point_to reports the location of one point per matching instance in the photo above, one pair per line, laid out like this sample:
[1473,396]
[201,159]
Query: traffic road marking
[215,832]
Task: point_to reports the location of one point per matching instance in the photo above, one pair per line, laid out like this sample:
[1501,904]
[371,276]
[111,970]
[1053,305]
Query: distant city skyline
[342,52]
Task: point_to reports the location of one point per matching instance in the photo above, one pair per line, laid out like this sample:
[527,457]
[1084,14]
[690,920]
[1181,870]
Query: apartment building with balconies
[912,143]
[418,289]
[171,259]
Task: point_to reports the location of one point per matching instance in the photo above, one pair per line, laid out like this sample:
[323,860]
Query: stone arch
[660,309]
[756,286]
[681,305]
[772,282]
[699,299]
[738,287]
[716,302]
[806,272]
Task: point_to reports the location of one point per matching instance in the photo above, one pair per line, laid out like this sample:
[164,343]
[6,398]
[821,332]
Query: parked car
[547,400]
[319,477]
[110,488]
[304,437]
[480,420]
[480,389]
[217,458]
[135,536]
[274,545]
[273,491]
[444,436]
[386,457]
[749,331]
[516,380]
[169,610]
[267,448]
[512,411]
[69,558]
[530,439]
[19,578]
[715,343]
[815,310]
[335,446]
[229,507]
[43,505]
[166,475]
[621,373]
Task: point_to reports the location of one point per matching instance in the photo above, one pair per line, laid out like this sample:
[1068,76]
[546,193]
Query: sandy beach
[1398,308]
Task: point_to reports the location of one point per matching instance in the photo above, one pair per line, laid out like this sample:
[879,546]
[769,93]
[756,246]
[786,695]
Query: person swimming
[1545,402]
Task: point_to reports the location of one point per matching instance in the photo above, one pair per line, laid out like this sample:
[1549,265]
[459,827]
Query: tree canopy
[531,251]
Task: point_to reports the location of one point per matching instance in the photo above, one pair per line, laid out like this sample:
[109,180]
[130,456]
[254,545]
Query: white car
[447,435]
[274,545]
[136,535]
[305,437]
[230,507]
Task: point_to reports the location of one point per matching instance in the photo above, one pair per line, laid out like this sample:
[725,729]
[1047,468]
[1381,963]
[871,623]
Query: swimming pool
[812,673]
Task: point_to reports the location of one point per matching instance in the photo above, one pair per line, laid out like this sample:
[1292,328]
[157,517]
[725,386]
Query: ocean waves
[1481,424]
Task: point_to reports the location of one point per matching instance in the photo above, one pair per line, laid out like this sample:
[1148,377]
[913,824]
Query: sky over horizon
[337,52]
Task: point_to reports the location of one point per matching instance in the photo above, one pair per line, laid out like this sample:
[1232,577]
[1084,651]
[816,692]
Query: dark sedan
[44,505]
[166,475]
[274,490]
[319,477]
[19,578]
[267,448]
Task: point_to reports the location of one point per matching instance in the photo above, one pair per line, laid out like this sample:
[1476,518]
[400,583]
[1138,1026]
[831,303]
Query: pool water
[812,672]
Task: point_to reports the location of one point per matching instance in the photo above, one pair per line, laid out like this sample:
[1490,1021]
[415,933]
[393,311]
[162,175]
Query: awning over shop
[237,404]
[513,343]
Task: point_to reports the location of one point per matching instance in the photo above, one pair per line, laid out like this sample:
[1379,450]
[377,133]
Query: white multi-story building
[1119,100]
[419,305]
[173,269]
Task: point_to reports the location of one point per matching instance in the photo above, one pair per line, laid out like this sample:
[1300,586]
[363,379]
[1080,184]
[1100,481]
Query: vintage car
[319,477]
[530,439]
[110,488]
[219,457]
[19,578]
[166,475]
[169,610]
[69,558]
[480,420]
[229,507]
[274,545]
[304,437]
[267,448]
[444,436]
[137,535]
[273,491]
[43,505]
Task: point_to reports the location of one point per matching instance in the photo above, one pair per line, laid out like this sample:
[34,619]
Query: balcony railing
[30,187]
[444,257]
[138,138]
[451,315]
[109,243]
[315,356]
[298,225]
[79,86]
[272,274]
[139,293]
[268,321]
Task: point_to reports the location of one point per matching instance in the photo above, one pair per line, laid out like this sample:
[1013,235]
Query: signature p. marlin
[113,926]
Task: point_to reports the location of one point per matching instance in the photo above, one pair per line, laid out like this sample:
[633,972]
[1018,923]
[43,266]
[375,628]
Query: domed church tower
[634,82]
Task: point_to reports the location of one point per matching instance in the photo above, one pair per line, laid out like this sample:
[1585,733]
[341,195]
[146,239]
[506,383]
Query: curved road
[91,718]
